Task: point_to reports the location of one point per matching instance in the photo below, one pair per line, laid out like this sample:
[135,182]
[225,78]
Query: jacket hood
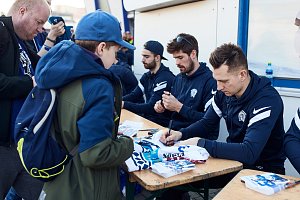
[65,62]
[255,85]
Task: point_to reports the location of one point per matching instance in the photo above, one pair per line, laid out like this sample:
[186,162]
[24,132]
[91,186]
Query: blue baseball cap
[100,26]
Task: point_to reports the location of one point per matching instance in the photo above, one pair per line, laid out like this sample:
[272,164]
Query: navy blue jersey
[195,92]
[292,142]
[254,123]
[152,86]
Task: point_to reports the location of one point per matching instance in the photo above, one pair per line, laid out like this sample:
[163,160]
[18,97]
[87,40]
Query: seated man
[152,84]
[193,88]
[292,142]
[292,136]
[253,112]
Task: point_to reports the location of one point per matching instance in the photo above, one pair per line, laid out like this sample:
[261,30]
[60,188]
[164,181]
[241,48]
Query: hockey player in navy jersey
[253,113]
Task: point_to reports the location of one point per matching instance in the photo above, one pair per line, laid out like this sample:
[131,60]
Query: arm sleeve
[292,142]
[257,133]
[204,128]
[207,96]
[12,87]
[129,80]
[148,107]
[98,148]
[136,95]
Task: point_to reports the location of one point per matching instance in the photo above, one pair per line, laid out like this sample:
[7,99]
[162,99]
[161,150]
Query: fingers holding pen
[169,138]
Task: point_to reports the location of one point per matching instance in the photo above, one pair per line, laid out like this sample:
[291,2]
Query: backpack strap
[117,103]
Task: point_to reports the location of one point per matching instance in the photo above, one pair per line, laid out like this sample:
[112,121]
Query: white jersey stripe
[160,87]
[259,117]
[216,109]
[208,103]
[141,87]
[297,120]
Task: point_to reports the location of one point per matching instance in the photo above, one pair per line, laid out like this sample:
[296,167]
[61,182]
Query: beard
[189,68]
[150,65]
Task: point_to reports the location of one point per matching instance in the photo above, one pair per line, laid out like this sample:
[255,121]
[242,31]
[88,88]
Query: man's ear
[243,74]
[100,49]
[157,58]
[22,10]
[193,54]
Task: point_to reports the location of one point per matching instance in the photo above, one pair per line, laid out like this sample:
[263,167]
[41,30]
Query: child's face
[109,56]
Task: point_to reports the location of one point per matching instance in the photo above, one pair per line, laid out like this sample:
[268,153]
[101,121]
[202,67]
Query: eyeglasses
[180,38]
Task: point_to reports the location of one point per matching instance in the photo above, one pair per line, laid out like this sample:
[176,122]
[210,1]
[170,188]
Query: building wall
[203,19]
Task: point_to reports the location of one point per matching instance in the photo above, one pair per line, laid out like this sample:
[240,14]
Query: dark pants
[12,174]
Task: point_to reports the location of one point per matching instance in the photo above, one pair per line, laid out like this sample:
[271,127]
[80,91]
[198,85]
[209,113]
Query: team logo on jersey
[194,92]
[242,116]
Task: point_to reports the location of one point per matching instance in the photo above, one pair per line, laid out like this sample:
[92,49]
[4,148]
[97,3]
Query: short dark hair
[92,45]
[187,44]
[230,55]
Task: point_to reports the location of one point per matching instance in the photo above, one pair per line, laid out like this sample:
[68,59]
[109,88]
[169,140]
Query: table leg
[205,191]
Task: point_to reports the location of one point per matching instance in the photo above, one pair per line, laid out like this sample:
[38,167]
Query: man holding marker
[253,112]
[193,88]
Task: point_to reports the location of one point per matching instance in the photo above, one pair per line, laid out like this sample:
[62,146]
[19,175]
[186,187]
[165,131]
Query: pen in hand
[169,143]
[161,101]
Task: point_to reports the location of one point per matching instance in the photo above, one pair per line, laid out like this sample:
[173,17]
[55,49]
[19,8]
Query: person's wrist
[179,136]
[51,39]
[179,107]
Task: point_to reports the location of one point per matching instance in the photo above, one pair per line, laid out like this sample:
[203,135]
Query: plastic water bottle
[269,72]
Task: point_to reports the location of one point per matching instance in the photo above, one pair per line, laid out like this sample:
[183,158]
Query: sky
[5,4]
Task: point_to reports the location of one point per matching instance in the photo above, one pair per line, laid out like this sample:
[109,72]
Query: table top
[237,190]
[151,181]
[127,115]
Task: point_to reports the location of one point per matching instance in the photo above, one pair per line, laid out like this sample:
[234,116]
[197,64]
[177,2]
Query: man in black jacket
[26,19]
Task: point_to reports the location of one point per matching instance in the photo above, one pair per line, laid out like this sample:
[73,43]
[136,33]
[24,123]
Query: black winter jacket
[12,86]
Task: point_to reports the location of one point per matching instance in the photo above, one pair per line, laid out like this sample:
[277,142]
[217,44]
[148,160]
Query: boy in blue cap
[87,109]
